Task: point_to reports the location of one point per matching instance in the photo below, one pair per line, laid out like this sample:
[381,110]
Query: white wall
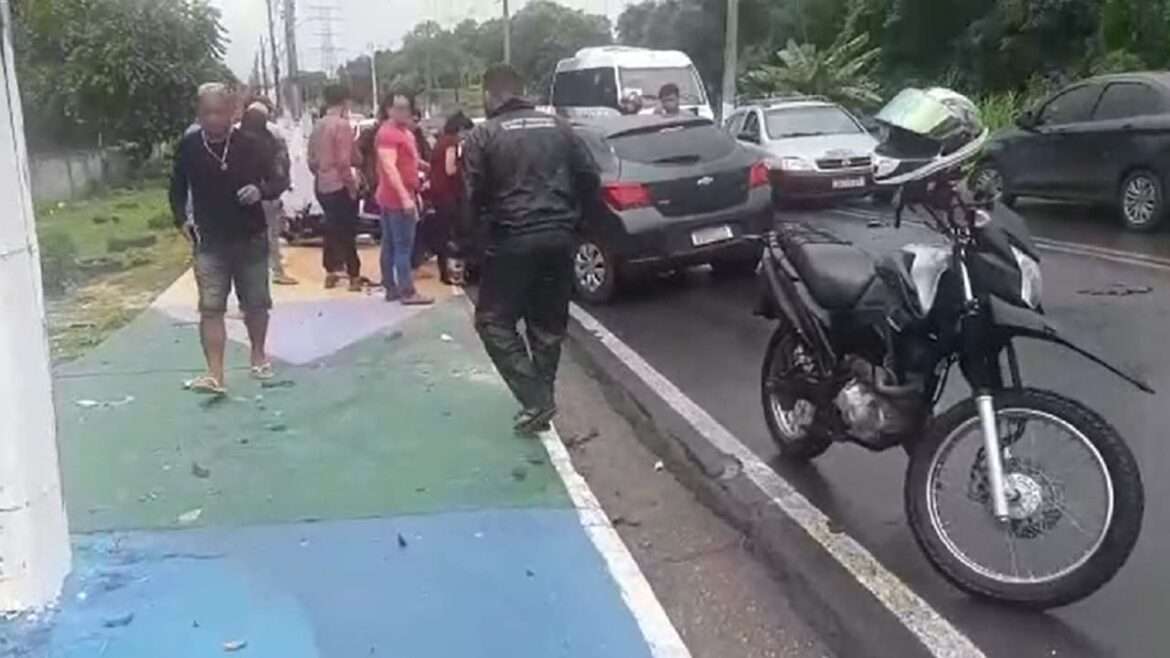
[67,176]
[34,541]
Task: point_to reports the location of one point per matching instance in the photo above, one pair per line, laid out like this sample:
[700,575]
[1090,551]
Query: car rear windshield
[647,82]
[674,145]
[809,121]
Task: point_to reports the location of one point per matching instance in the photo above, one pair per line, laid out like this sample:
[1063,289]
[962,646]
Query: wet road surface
[699,331]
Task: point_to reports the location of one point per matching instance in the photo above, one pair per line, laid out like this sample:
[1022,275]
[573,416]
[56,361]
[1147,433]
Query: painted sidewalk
[369,501]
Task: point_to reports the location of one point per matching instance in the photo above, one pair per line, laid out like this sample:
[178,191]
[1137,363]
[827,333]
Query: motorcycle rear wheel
[1037,506]
[797,444]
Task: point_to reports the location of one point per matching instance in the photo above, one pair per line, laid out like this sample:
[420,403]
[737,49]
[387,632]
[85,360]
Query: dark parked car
[676,191]
[1102,140]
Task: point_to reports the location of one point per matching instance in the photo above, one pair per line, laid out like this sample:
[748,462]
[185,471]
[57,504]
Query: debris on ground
[659,466]
[200,471]
[446,338]
[519,474]
[1116,290]
[234,645]
[93,404]
[191,516]
[536,461]
[530,573]
[282,383]
[276,427]
[401,541]
[619,521]
[575,441]
[874,223]
[119,621]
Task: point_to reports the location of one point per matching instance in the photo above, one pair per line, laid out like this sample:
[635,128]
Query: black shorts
[242,264]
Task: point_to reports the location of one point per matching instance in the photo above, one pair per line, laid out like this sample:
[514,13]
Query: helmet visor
[915,111]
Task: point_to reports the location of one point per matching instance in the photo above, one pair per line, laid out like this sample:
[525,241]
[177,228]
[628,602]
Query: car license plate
[711,234]
[848,183]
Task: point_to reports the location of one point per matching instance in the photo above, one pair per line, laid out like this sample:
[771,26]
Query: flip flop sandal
[263,371]
[205,384]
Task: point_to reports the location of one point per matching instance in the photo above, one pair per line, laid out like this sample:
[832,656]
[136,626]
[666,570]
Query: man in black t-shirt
[227,175]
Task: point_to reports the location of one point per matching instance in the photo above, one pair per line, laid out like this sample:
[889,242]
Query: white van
[601,77]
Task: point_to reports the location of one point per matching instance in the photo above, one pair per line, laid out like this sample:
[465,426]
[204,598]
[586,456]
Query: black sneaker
[534,421]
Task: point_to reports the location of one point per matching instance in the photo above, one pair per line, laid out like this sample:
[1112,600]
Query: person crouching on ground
[331,156]
[398,166]
[446,189]
[256,123]
[228,174]
[535,176]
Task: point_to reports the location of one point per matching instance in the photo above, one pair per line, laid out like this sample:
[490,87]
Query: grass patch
[104,260]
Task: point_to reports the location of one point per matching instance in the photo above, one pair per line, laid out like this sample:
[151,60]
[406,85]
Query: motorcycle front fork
[983,373]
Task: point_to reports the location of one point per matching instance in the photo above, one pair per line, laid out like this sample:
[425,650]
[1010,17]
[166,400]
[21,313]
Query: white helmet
[924,133]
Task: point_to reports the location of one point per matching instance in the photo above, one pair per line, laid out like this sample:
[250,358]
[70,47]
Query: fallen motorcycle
[1016,494]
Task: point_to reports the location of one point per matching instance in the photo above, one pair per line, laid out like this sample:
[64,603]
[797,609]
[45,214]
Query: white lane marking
[1058,246]
[661,636]
[657,629]
[939,636]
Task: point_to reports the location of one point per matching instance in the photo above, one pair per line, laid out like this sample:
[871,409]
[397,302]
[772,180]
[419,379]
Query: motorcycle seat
[836,274]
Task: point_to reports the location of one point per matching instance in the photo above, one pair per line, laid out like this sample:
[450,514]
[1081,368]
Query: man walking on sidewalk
[256,124]
[227,174]
[535,177]
[398,167]
[331,161]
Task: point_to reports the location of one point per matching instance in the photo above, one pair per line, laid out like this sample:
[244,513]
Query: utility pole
[374,78]
[507,34]
[34,535]
[275,57]
[264,69]
[730,58]
[326,16]
[291,88]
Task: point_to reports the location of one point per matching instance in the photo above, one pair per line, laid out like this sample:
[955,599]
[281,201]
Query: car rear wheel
[988,178]
[1142,201]
[594,271]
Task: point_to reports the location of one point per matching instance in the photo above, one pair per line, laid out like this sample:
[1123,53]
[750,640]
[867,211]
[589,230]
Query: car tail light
[759,175]
[624,196]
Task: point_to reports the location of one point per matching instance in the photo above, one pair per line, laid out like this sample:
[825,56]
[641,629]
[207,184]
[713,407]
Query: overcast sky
[359,23]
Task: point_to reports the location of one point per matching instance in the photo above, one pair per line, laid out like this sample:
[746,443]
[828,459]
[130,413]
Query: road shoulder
[722,599]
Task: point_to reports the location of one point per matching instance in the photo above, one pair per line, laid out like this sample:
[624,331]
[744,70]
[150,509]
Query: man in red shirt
[398,164]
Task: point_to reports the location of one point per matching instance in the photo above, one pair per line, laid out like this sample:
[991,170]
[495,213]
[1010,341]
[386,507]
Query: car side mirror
[748,137]
[1027,121]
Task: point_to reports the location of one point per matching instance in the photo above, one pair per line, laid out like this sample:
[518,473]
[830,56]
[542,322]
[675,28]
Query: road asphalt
[699,332]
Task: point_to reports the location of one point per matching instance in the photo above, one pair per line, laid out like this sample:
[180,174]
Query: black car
[676,192]
[1102,140]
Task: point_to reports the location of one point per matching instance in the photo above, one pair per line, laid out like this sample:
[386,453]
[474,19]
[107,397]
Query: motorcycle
[1016,494]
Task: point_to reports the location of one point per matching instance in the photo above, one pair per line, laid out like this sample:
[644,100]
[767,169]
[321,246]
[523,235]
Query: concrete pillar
[34,539]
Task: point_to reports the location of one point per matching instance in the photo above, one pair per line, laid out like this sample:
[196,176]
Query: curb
[850,620]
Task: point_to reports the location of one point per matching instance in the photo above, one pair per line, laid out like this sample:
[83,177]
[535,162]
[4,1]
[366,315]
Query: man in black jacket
[533,176]
[227,173]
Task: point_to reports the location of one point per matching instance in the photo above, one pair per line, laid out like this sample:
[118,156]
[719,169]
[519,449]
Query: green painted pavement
[401,422]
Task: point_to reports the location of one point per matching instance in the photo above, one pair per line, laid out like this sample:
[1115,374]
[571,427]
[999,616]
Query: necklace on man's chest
[227,145]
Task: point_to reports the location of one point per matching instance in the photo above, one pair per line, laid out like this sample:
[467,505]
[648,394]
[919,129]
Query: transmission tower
[326,17]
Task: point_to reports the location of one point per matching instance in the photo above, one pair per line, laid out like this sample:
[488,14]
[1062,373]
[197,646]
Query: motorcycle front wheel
[1075,500]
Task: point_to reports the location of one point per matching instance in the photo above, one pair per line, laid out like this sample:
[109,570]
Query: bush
[58,261]
[116,245]
[999,111]
[160,222]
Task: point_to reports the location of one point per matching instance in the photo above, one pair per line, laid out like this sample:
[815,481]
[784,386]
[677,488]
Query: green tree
[840,73]
[114,70]
[544,33]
